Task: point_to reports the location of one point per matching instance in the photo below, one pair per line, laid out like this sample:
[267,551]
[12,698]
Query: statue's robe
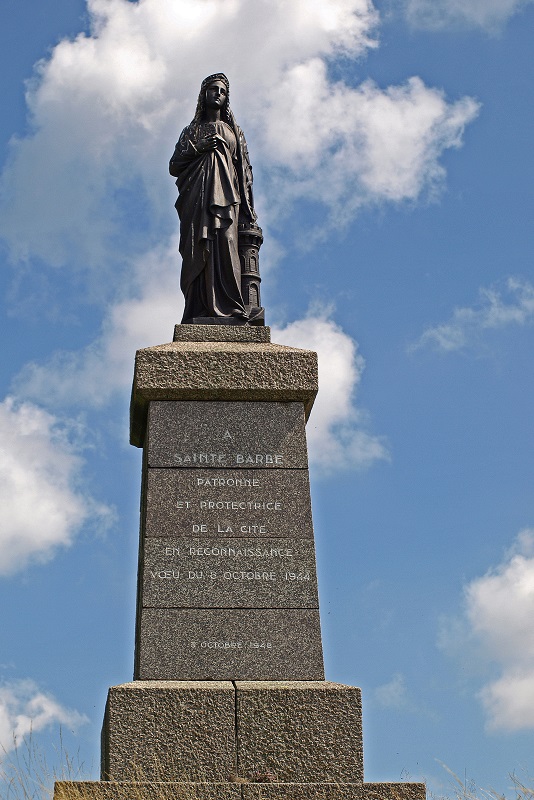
[212,186]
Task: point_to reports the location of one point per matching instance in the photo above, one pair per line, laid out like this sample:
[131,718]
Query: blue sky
[392,151]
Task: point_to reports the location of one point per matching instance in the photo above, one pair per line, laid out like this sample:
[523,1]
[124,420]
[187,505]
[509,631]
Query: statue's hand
[206,143]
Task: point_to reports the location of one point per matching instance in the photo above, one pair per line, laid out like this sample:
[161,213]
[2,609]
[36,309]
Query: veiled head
[218,78]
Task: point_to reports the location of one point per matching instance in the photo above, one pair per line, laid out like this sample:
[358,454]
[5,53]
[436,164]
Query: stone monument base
[112,790]
[220,740]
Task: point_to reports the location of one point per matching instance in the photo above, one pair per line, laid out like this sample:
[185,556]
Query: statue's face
[216,95]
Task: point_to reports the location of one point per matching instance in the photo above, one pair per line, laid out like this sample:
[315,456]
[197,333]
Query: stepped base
[210,731]
[111,790]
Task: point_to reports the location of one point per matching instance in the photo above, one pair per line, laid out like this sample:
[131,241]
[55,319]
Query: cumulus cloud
[91,376]
[499,609]
[336,431]
[497,308]
[25,709]
[490,15]
[43,505]
[88,186]
[366,145]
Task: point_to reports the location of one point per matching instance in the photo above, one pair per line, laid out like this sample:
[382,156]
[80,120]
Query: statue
[219,235]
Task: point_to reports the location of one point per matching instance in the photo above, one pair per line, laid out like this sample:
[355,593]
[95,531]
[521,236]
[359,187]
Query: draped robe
[211,187]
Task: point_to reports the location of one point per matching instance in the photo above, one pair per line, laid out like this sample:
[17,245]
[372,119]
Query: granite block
[229,644]
[302,791]
[334,791]
[271,499]
[394,791]
[223,371]
[172,731]
[84,790]
[229,573]
[300,731]
[121,790]
[221,333]
[193,435]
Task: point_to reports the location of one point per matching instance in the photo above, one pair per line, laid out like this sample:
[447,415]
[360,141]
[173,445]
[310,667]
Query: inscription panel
[229,573]
[230,644]
[235,435]
[228,503]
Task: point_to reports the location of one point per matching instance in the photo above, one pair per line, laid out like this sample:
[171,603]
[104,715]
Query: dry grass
[27,774]
[520,789]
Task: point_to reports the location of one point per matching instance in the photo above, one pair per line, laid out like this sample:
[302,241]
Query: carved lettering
[267,458]
[240,552]
[187,459]
[221,459]
[249,576]
[253,529]
[234,482]
[240,505]
[220,645]
[165,574]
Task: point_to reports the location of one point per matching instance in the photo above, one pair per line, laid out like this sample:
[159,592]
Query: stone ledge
[111,790]
[122,790]
[334,791]
[221,333]
[226,370]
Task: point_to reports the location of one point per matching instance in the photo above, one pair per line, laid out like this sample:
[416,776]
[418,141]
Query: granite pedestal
[229,699]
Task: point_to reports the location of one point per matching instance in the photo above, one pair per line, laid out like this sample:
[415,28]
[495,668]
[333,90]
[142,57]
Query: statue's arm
[184,152]
[188,150]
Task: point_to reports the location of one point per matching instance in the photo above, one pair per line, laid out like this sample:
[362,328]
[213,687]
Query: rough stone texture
[232,573]
[394,791]
[334,791]
[111,790]
[67,790]
[236,435]
[221,333]
[300,731]
[177,731]
[178,499]
[215,370]
[222,644]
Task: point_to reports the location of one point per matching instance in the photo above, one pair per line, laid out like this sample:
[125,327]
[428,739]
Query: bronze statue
[219,236]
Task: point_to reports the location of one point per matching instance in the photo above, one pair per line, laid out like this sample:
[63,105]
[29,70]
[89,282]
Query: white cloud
[499,609]
[43,506]
[490,15]
[25,709]
[364,146]
[514,305]
[88,186]
[336,429]
[392,694]
[91,376]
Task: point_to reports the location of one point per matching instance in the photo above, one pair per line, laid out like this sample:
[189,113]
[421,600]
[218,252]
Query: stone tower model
[228,700]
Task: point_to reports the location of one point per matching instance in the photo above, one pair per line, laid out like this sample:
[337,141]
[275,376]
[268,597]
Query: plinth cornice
[220,370]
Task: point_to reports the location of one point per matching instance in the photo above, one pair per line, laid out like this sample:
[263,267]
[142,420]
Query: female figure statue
[214,180]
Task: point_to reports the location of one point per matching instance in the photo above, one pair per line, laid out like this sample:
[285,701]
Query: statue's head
[217,81]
